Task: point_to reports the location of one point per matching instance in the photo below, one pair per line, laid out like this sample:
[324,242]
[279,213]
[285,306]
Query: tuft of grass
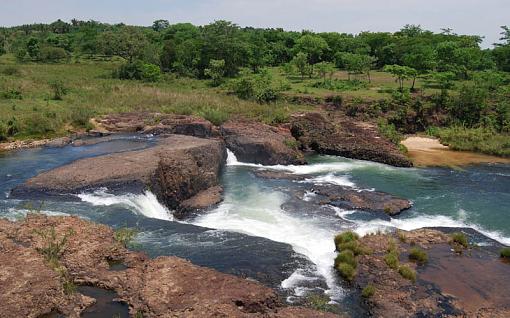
[418,255]
[402,236]
[505,253]
[216,116]
[320,303]
[346,256]
[460,238]
[344,238]
[407,272]
[53,246]
[291,143]
[346,271]
[392,259]
[125,236]
[368,291]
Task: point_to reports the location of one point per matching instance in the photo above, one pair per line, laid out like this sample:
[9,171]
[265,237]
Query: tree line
[194,51]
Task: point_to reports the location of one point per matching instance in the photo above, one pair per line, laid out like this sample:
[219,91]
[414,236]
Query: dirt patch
[425,152]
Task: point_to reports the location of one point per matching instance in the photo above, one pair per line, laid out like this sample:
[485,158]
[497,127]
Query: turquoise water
[273,230]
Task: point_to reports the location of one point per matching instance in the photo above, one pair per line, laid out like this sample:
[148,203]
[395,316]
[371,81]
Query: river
[274,230]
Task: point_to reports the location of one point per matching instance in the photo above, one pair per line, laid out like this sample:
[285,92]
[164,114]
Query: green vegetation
[50,72]
[505,253]
[125,236]
[346,256]
[407,272]
[344,238]
[459,238]
[347,271]
[348,246]
[320,303]
[392,259]
[418,255]
[368,291]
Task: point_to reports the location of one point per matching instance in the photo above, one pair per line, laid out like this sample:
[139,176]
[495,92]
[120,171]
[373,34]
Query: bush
[37,124]
[407,272]
[347,257]
[52,54]
[345,237]
[392,259]
[58,88]
[418,255]
[3,131]
[258,87]
[12,93]
[130,71]
[389,131]
[320,303]
[460,239]
[80,117]
[368,291]
[347,271]
[150,73]
[505,253]
[214,115]
[52,245]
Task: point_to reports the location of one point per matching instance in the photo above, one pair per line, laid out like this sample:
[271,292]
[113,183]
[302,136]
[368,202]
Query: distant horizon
[469,17]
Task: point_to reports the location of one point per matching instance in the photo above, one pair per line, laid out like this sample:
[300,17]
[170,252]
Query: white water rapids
[258,211]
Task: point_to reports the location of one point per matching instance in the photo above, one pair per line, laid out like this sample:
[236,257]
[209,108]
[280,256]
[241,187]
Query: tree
[216,71]
[300,61]
[401,73]
[314,46]
[358,64]
[325,69]
[2,45]
[160,25]
[129,43]
[33,48]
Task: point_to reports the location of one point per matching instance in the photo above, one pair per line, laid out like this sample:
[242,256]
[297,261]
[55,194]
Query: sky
[479,17]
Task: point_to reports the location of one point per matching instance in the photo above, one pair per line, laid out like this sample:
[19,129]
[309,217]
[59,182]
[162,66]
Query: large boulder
[161,287]
[157,124]
[262,144]
[347,138]
[177,169]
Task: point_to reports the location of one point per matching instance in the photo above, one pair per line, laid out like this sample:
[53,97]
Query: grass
[407,272]
[125,236]
[320,303]
[392,259]
[368,291]
[344,238]
[347,257]
[418,255]
[474,139]
[459,238]
[89,90]
[348,246]
[505,253]
[347,271]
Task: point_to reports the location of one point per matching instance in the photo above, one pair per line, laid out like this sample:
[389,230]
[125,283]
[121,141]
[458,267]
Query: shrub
[53,246]
[391,259]
[460,239]
[214,115]
[368,291]
[258,87]
[125,236]
[346,271]
[418,255]
[320,303]
[407,272]
[389,131]
[80,117]
[291,143]
[130,70]
[58,89]
[345,237]
[505,253]
[347,257]
[52,54]
[3,131]
[12,93]
[37,124]
[150,73]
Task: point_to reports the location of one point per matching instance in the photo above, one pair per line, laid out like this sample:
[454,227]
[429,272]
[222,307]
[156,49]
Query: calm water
[272,230]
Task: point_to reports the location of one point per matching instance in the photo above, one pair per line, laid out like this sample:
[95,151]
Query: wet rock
[375,201]
[178,168]
[262,144]
[201,201]
[161,287]
[344,137]
[448,285]
[157,124]
[59,142]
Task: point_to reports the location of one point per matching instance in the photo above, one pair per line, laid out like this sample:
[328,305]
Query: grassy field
[27,97]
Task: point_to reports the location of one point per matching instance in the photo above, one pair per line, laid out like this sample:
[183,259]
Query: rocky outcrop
[157,124]
[262,144]
[345,137]
[375,201]
[449,284]
[177,169]
[161,287]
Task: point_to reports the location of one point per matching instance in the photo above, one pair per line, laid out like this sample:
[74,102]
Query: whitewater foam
[146,204]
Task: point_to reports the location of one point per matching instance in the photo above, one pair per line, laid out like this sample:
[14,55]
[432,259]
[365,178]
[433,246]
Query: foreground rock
[175,170]
[449,284]
[156,124]
[161,287]
[346,138]
[262,144]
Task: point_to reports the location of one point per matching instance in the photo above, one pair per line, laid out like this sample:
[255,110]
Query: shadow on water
[106,304]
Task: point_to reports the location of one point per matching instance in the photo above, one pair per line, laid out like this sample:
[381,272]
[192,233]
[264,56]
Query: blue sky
[482,17]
